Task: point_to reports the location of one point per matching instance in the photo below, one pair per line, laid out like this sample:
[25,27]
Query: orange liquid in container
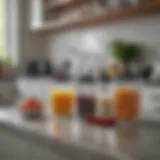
[126,102]
[62,101]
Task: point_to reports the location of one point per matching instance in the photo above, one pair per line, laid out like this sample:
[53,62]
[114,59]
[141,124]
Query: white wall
[95,40]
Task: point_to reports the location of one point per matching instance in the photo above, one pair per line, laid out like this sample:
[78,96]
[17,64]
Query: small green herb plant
[125,52]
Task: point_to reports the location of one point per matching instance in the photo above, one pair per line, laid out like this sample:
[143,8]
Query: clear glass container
[62,100]
[86,100]
[126,100]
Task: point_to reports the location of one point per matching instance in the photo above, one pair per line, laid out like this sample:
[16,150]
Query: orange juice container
[126,103]
[62,101]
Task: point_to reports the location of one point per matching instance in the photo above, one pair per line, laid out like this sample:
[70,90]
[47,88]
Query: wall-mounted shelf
[106,15]
[57,6]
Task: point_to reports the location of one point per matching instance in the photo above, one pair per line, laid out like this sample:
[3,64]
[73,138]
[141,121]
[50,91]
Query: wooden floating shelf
[65,5]
[106,15]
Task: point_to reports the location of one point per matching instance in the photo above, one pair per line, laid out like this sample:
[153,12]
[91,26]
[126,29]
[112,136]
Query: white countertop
[41,87]
[126,142]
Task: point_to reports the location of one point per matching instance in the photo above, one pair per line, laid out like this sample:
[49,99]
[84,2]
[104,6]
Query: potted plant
[126,53]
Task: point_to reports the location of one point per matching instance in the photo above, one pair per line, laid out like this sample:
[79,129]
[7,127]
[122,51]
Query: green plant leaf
[125,52]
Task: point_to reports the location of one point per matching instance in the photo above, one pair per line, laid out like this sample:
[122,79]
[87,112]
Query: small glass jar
[86,101]
[62,101]
[126,103]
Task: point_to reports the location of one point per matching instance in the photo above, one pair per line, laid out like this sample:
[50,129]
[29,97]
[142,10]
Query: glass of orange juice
[126,102]
[62,101]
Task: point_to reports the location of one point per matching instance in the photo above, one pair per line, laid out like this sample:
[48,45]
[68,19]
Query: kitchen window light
[9,29]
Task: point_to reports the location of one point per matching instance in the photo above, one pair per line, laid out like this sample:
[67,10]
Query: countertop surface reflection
[127,141]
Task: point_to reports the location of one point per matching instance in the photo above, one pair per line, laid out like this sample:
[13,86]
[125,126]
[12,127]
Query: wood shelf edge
[59,6]
[104,16]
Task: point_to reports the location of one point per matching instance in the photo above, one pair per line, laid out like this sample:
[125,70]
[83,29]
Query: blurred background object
[126,53]
[31,108]
[114,69]
[126,103]
[104,77]
[86,104]
[62,101]
[62,72]
[147,72]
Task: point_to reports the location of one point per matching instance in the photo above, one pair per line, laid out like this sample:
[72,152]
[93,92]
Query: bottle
[33,68]
[47,68]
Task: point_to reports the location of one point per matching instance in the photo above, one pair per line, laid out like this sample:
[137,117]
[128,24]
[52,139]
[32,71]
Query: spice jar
[86,102]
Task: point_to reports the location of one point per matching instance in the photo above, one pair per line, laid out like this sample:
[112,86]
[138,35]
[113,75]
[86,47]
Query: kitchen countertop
[129,141]
[41,87]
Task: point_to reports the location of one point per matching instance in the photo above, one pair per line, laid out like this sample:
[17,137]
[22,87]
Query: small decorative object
[126,103]
[33,68]
[31,107]
[114,3]
[62,101]
[62,72]
[86,104]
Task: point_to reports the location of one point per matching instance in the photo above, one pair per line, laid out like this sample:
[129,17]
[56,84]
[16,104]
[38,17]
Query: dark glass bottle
[86,104]
[33,68]
[146,72]
[47,68]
